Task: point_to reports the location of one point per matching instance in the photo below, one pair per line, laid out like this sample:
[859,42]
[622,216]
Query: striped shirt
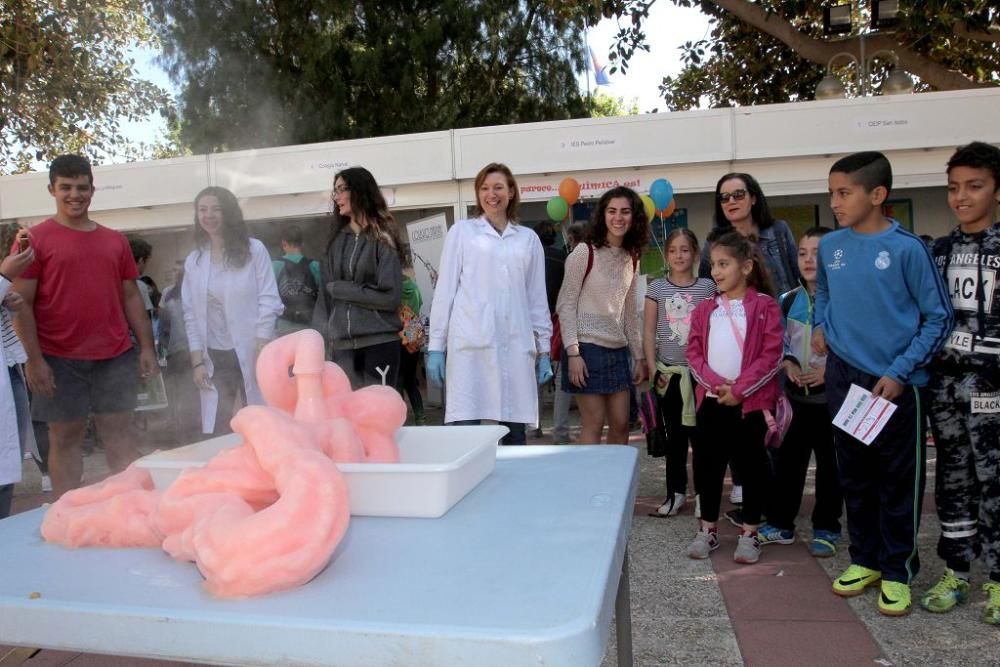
[674,305]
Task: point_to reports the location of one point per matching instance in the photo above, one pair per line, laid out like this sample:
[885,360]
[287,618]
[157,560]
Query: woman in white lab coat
[231,304]
[490,313]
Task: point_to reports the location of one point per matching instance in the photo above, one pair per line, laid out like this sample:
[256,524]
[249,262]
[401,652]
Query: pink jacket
[757,386]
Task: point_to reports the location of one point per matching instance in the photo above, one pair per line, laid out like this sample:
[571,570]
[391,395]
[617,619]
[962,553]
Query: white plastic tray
[437,466]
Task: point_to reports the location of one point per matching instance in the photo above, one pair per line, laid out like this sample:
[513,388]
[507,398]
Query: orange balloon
[669,210]
[569,189]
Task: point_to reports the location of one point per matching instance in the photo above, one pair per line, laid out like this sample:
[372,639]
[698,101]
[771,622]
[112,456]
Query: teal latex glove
[435,367]
[544,369]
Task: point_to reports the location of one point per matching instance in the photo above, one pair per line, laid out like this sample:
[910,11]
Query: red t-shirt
[79,302]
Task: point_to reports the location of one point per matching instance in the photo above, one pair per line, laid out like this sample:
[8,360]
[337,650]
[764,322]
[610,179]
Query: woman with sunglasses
[363,281]
[740,205]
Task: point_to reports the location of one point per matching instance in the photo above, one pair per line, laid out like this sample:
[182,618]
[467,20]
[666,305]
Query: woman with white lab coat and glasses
[490,313]
[231,304]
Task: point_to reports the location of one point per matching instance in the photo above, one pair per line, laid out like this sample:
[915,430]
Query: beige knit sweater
[602,308]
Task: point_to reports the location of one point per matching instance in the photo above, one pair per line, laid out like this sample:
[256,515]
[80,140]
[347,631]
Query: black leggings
[409,364]
[372,364]
[678,437]
[228,381]
[724,432]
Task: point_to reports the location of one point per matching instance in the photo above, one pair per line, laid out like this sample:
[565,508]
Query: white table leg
[623,617]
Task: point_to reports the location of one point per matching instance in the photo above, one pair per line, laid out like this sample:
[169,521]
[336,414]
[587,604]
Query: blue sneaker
[768,534]
[824,543]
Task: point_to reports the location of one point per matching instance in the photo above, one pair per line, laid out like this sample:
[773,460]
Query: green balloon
[557,208]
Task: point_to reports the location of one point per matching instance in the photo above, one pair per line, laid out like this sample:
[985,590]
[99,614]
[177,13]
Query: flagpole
[589,61]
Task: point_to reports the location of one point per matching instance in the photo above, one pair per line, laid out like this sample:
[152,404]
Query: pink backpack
[780,420]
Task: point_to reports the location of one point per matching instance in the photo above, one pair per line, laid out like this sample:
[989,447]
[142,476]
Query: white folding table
[525,570]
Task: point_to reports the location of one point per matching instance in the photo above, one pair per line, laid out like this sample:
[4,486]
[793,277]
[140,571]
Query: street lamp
[897,83]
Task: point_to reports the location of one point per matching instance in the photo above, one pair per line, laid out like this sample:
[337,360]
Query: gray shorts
[84,386]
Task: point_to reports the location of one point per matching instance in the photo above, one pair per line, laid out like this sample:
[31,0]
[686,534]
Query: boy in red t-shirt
[81,299]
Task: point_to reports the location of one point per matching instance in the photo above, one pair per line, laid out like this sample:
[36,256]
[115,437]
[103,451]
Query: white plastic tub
[437,466]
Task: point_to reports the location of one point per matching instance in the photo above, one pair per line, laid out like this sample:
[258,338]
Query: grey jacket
[362,281]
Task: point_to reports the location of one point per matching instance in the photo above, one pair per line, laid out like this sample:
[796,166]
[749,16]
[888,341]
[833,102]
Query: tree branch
[820,51]
[990,35]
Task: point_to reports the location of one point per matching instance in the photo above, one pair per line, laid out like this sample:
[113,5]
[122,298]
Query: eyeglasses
[738,195]
[340,189]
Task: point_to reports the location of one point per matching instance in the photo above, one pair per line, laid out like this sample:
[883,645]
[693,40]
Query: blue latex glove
[544,369]
[435,367]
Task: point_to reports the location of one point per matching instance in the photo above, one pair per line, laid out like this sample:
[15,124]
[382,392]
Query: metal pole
[623,616]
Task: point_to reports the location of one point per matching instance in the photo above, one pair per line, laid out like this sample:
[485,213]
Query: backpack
[412,334]
[298,290]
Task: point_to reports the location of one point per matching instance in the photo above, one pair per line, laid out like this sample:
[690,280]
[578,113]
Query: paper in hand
[863,415]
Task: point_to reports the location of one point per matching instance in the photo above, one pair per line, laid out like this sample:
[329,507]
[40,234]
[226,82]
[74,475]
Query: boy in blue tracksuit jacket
[881,313]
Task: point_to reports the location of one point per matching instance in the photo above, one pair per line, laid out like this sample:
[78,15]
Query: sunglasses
[737,195]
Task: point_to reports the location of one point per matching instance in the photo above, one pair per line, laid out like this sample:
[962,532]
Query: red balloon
[669,210]
[569,189]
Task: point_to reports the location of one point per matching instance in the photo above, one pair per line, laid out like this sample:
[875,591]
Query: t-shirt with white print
[725,354]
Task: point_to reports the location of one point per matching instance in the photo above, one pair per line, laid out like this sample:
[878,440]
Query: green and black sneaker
[949,592]
[854,580]
[894,599]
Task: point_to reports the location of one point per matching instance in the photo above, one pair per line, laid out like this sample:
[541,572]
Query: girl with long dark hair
[363,281]
[231,303]
[599,316]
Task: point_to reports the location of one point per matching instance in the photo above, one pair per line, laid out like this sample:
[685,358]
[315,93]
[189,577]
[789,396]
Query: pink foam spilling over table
[264,516]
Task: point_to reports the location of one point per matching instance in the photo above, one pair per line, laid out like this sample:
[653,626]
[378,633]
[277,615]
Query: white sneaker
[736,495]
[673,505]
[46,484]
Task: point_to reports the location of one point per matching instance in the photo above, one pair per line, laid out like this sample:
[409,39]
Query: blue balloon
[661,192]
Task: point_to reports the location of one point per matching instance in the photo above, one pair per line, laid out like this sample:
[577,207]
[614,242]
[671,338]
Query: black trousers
[373,364]
[228,380]
[883,483]
[811,431]
[678,437]
[408,383]
[723,433]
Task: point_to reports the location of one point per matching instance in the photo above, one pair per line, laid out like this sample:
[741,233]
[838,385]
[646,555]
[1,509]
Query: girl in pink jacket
[734,352]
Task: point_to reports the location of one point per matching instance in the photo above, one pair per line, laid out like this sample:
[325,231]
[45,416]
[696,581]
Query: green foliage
[741,64]
[603,105]
[66,79]
[299,71]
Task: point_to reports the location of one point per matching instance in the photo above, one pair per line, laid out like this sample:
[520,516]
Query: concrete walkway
[685,612]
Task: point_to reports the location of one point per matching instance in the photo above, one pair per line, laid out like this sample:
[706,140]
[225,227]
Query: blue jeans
[517,435]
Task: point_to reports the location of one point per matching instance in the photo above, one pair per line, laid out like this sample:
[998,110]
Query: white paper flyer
[863,415]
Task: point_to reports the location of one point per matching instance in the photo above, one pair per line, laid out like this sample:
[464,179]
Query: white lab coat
[252,307]
[491,315]
[10,444]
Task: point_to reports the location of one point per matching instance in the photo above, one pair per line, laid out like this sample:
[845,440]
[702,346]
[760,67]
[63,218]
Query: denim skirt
[608,370]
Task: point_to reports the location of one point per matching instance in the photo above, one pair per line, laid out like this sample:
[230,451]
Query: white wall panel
[396,160]
[597,143]
[925,120]
[119,186]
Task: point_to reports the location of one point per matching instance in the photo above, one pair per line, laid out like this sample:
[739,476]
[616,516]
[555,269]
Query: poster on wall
[901,210]
[427,243]
[799,218]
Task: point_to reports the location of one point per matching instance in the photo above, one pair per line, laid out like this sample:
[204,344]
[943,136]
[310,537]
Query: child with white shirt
[734,353]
